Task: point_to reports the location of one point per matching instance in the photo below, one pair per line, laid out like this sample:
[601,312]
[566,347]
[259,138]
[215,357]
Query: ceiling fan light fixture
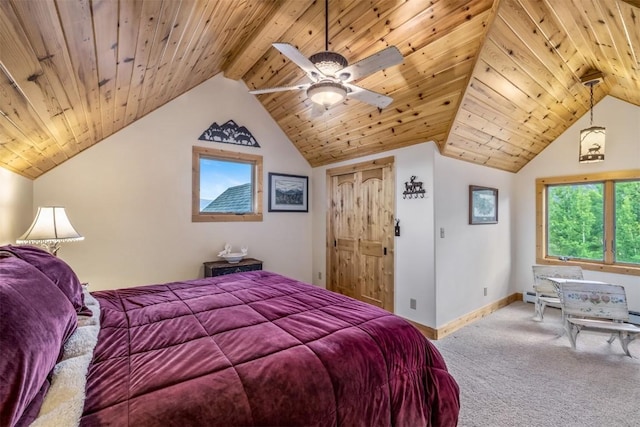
[327,93]
[328,62]
[332,77]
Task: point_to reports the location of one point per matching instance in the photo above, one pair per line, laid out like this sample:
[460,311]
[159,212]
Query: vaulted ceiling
[492,82]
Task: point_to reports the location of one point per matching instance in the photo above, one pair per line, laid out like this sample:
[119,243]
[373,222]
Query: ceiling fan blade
[364,95]
[384,59]
[279,89]
[300,60]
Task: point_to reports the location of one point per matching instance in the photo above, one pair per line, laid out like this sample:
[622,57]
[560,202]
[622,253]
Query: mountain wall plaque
[229,133]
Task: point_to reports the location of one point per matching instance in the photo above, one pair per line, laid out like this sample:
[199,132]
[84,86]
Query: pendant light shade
[592,144]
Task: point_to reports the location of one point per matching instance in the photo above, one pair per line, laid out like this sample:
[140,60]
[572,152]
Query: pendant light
[592,138]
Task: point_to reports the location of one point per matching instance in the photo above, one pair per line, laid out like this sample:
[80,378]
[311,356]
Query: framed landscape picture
[483,205]
[288,193]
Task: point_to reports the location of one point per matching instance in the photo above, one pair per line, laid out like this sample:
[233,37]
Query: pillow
[55,269]
[36,319]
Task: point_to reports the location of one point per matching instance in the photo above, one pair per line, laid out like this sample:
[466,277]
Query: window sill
[226,217]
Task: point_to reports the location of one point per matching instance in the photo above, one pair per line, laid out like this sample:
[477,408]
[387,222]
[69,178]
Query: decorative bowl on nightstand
[234,257]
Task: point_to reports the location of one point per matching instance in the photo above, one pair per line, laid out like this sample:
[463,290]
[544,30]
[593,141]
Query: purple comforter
[258,348]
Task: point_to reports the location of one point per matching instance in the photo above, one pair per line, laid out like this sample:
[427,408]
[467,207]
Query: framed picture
[483,205]
[288,193]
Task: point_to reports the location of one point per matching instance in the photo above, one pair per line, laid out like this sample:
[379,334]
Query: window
[591,220]
[227,186]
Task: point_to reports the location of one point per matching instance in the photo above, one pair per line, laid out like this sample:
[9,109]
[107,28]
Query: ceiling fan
[331,75]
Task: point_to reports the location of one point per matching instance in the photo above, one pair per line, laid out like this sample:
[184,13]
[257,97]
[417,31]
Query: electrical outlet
[442,232]
[485,292]
[319,275]
[412,303]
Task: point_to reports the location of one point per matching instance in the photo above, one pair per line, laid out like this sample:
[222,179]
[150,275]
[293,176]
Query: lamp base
[51,247]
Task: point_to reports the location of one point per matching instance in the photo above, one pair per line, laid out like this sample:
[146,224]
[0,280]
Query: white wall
[130,195]
[445,276]
[414,256]
[470,257]
[16,206]
[622,123]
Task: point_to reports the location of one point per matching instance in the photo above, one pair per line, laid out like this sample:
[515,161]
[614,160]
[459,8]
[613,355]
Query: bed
[253,348]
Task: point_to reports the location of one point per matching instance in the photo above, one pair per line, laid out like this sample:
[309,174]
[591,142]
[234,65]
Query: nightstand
[220,268]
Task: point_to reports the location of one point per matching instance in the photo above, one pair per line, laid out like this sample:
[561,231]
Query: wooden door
[360,231]
[343,266]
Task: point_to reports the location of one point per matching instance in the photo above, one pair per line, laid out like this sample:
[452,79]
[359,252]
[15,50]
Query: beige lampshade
[51,225]
[592,144]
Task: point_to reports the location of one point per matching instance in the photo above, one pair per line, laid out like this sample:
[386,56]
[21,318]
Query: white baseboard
[634,316]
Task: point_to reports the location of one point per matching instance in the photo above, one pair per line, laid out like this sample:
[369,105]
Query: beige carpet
[513,371]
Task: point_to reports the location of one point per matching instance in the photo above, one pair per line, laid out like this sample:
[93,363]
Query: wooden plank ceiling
[491,82]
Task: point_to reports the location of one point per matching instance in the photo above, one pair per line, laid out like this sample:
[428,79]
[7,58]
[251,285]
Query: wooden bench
[595,306]
[546,291]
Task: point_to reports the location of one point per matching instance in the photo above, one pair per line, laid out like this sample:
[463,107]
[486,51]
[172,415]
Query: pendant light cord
[591,86]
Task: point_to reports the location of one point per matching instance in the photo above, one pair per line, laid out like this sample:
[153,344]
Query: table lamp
[50,227]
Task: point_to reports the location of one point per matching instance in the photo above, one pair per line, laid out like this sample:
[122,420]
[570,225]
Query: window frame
[608,264]
[218,154]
